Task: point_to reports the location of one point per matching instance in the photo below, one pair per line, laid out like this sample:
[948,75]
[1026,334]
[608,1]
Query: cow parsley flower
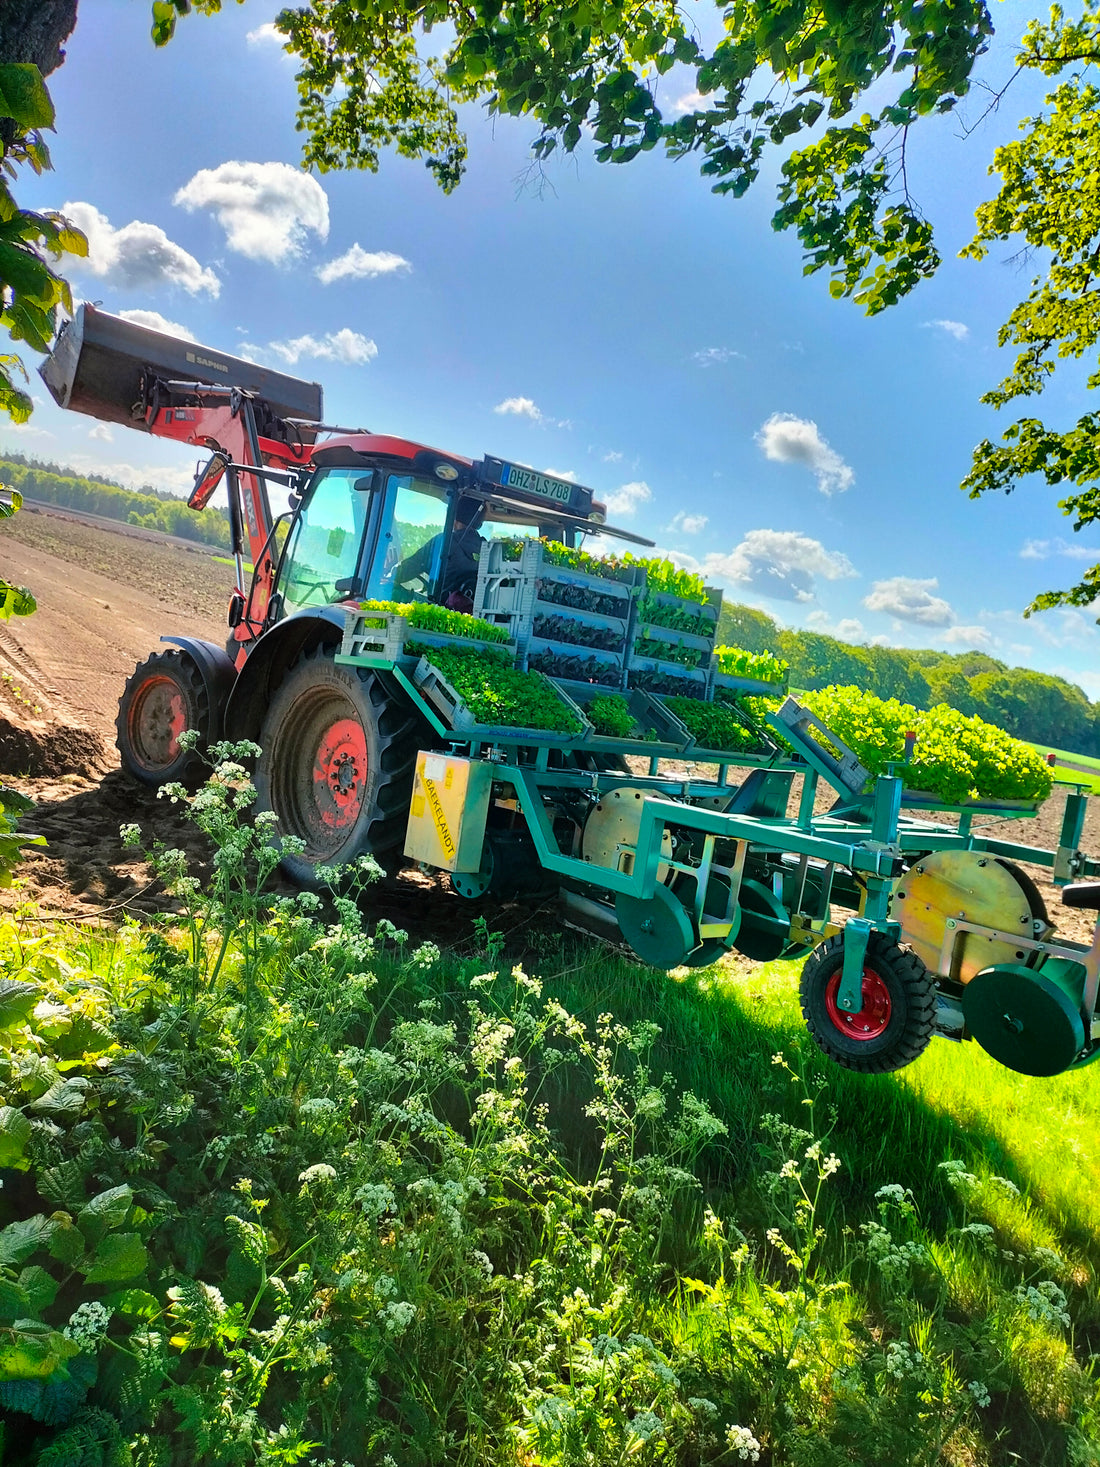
[979,1392]
[646,1425]
[740,1439]
[88,1324]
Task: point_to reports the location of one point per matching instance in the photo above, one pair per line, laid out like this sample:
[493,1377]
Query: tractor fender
[269,660]
[217,673]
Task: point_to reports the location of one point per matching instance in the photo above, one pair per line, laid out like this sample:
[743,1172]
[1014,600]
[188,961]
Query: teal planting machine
[911,921]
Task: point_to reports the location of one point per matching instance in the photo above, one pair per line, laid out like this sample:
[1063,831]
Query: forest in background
[1036,706]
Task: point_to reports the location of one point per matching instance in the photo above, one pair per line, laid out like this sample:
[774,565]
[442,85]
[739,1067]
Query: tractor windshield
[409,560]
[326,539]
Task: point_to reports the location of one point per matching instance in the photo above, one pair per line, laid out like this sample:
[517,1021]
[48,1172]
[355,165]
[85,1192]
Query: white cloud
[344,346]
[27,430]
[102,432]
[847,629]
[1066,626]
[910,599]
[520,407]
[952,328]
[1044,549]
[135,476]
[360,264]
[880,639]
[567,474]
[973,639]
[612,456]
[154,321]
[264,208]
[714,356]
[624,501]
[782,564]
[687,524]
[137,256]
[691,102]
[265,35]
[788,439]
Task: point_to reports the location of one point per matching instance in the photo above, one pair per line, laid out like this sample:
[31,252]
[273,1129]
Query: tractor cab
[388,520]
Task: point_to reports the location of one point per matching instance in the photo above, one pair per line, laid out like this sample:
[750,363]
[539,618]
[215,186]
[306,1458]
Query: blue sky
[622,325]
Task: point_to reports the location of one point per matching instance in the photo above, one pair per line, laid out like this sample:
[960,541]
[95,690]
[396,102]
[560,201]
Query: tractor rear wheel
[899,1006]
[337,766]
[164,695]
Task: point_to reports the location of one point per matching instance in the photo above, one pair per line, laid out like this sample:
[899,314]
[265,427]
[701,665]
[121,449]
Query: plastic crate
[498,559]
[697,677]
[385,644]
[515,606]
[451,708]
[708,610]
[733,683]
[662,733]
[610,663]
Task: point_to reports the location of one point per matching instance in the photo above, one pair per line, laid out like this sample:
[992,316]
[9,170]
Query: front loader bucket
[98,362]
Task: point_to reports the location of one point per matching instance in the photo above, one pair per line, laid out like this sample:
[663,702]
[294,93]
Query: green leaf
[20,1239]
[14,1302]
[63,1185]
[23,96]
[39,1286]
[67,1243]
[17,1001]
[64,1097]
[15,601]
[10,501]
[15,1132]
[105,1211]
[119,1256]
[137,1303]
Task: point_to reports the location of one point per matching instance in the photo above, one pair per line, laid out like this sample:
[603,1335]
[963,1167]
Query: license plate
[530,482]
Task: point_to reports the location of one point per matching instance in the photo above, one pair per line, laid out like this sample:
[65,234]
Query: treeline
[1032,705]
[153,509]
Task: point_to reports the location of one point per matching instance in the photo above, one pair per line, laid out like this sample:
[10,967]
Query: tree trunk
[33,30]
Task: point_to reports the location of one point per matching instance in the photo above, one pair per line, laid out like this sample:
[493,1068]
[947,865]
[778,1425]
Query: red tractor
[369,516]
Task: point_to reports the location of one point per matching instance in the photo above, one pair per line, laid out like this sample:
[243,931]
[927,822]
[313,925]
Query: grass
[228,560]
[1078,775]
[349,1201]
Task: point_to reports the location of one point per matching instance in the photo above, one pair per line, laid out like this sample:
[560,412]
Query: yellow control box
[450,804]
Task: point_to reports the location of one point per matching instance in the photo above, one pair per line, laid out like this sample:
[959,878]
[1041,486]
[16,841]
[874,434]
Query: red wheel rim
[157,716]
[872,1019]
[340,773]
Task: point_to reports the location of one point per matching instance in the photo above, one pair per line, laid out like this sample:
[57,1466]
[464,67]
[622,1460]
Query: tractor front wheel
[164,695]
[895,1023]
[337,765]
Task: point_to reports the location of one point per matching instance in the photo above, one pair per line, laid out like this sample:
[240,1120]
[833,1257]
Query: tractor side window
[408,563]
[326,541]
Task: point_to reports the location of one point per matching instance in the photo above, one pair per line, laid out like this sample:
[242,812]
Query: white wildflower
[702,1407]
[397,1317]
[789,1169]
[979,1392]
[1044,1302]
[740,1439]
[646,1425]
[88,1324]
[320,1174]
[375,1198]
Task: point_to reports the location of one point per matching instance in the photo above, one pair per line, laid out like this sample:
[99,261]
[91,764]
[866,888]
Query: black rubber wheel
[899,1006]
[163,696]
[339,753]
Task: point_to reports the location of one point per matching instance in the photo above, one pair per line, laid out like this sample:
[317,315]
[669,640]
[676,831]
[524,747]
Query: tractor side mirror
[209,475]
[350,586]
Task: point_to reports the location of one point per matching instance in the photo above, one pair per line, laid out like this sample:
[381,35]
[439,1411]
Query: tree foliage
[370,79]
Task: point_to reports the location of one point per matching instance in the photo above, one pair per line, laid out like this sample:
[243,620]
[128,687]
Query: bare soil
[106,596]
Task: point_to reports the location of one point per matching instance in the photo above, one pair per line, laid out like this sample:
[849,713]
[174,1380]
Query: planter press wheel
[658,929]
[899,1006]
[756,942]
[163,696]
[712,948]
[1024,1019]
[339,751]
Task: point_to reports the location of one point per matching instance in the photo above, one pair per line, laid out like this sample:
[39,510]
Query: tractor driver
[458,579]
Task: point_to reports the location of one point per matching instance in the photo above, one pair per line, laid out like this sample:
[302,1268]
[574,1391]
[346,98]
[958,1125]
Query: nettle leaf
[20,1239]
[15,1132]
[39,1287]
[118,1257]
[67,1243]
[64,1097]
[14,1302]
[17,1001]
[63,1185]
[106,1211]
[23,96]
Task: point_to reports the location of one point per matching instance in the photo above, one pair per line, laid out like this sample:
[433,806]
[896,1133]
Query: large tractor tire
[895,1024]
[164,695]
[337,766]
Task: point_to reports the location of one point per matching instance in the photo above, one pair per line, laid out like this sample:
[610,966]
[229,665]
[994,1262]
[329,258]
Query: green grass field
[1082,775]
